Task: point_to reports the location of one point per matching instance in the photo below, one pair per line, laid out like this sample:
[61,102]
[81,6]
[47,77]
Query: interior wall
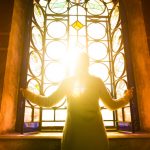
[146,12]
[140,58]
[13,63]
[6,8]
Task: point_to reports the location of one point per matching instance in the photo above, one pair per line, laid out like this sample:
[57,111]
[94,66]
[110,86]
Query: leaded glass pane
[28,115]
[58,6]
[97,51]
[127,114]
[39,15]
[36,115]
[95,7]
[36,38]
[47,115]
[96,31]
[61,114]
[60,31]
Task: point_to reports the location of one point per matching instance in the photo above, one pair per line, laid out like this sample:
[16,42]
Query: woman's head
[82,64]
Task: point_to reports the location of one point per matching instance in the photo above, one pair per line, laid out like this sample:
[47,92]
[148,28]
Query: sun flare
[60,31]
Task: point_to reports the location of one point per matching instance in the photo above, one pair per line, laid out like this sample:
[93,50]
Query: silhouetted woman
[84,128]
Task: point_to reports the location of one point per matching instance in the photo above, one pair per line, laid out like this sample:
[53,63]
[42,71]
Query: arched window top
[93,7]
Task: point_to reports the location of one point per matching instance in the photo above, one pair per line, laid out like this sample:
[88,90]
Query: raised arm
[46,101]
[111,103]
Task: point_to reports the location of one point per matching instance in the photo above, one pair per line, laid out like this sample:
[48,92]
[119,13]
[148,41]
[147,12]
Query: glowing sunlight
[59,35]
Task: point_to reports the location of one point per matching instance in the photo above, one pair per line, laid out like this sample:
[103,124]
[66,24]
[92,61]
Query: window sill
[58,135]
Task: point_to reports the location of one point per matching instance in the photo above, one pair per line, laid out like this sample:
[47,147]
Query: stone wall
[6,8]
[140,58]
[13,63]
[146,12]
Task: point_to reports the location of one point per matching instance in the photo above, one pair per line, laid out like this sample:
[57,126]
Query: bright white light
[78,89]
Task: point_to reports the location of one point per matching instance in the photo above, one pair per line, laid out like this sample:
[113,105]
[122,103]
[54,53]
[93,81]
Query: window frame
[121,125]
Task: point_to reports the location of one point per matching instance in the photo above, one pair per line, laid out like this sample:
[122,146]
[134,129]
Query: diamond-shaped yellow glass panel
[77,25]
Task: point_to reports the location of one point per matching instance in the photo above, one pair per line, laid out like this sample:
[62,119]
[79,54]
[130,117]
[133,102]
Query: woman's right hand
[128,93]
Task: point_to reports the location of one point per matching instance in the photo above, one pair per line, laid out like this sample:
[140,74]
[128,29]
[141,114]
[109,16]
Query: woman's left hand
[129,93]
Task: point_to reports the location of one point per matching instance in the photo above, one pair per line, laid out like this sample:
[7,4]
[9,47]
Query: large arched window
[60,29]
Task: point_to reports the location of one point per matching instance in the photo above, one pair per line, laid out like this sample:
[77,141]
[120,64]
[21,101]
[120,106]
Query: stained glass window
[62,29]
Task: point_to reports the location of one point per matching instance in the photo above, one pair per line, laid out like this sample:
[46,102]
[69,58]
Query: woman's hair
[82,62]
[83,57]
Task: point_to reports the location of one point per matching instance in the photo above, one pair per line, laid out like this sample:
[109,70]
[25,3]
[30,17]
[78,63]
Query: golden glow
[71,60]
[54,72]
[56,57]
[78,89]
[66,60]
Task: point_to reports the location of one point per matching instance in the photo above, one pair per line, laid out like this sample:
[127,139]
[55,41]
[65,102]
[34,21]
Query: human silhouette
[84,128]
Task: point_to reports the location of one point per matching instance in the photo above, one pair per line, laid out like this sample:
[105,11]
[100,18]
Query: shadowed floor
[51,141]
